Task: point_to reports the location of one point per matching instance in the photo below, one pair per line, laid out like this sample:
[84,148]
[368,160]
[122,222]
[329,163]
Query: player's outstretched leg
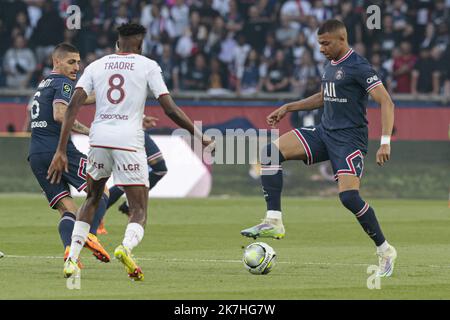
[82,225]
[134,233]
[272,184]
[368,221]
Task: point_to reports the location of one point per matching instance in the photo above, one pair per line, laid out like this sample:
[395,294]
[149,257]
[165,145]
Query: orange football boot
[97,249]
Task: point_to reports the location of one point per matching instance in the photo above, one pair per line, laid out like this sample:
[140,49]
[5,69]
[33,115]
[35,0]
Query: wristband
[385,140]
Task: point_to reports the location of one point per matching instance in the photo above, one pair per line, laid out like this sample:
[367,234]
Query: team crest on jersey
[66,90]
[339,74]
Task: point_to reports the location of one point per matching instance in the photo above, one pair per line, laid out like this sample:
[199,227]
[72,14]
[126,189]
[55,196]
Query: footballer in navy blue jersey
[342,137]
[47,112]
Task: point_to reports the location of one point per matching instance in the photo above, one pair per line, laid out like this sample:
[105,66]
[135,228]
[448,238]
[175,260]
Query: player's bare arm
[59,162]
[313,102]
[59,110]
[90,99]
[381,96]
[180,118]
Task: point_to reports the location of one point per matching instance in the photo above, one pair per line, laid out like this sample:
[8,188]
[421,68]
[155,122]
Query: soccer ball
[259,258]
[1,254]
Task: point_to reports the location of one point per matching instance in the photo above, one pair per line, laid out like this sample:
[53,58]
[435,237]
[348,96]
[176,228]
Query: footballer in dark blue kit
[47,112]
[341,137]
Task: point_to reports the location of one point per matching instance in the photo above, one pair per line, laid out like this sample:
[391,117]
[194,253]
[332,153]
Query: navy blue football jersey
[45,130]
[346,84]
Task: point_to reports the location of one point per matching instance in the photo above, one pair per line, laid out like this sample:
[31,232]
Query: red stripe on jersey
[115,148]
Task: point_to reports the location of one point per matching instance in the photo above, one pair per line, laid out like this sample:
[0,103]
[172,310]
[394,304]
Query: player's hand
[150,122]
[59,163]
[276,116]
[383,154]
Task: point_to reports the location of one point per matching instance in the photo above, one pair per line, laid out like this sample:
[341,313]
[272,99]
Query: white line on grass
[234,261]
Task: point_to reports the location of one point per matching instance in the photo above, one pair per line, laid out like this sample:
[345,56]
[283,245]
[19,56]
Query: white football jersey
[120,82]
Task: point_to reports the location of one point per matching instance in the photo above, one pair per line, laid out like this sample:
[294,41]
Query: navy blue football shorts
[76,176]
[345,148]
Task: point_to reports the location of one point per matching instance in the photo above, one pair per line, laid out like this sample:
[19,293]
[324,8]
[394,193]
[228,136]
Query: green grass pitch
[192,250]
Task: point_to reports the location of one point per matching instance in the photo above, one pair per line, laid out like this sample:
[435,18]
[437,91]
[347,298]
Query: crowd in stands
[230,46]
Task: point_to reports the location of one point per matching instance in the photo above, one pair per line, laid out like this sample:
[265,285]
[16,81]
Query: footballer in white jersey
[120,82]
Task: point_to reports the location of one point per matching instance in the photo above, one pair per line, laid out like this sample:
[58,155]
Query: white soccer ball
[259,258]
[1,255]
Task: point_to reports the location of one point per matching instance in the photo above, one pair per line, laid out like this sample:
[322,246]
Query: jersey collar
[349,52]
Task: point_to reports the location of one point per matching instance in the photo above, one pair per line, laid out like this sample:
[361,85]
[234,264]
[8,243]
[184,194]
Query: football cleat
[123,254]
[124,208]
[386,261]
[97,249]
[70,268]
[269,228]
[101,228]
[66,255]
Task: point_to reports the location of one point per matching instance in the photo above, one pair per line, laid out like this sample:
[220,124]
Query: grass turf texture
[192,250]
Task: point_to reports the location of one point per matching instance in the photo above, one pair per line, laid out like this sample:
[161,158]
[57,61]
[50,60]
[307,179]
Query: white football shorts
[128,168]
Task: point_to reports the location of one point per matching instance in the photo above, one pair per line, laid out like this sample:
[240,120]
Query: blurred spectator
[306,78]
[240,53]
[381,71]
[198,75]
[255,28]
[285,34]
[180,17]
[430,37]
[22,26]
[199,32]
[234,21]
[403,66]
[169,68]
[321,12]
[387,37]
[208,13]
[299,48]
[250,80]
[296,12]
[185,45]
[221,6]
[160,30]
[218,78]
[19,64]
[215,37]
[49,31]
[425,76]
[278,74]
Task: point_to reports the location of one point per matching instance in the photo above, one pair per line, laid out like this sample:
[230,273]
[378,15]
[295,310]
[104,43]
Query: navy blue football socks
[99,214]
[114,194]
[364,213]
[272,176]
[65,228]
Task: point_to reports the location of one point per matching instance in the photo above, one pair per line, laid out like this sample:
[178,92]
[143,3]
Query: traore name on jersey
[346,84]
[45,130]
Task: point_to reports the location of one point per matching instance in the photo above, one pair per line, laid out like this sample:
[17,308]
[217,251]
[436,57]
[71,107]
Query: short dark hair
[131,29]
[65,47]
[331,25]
